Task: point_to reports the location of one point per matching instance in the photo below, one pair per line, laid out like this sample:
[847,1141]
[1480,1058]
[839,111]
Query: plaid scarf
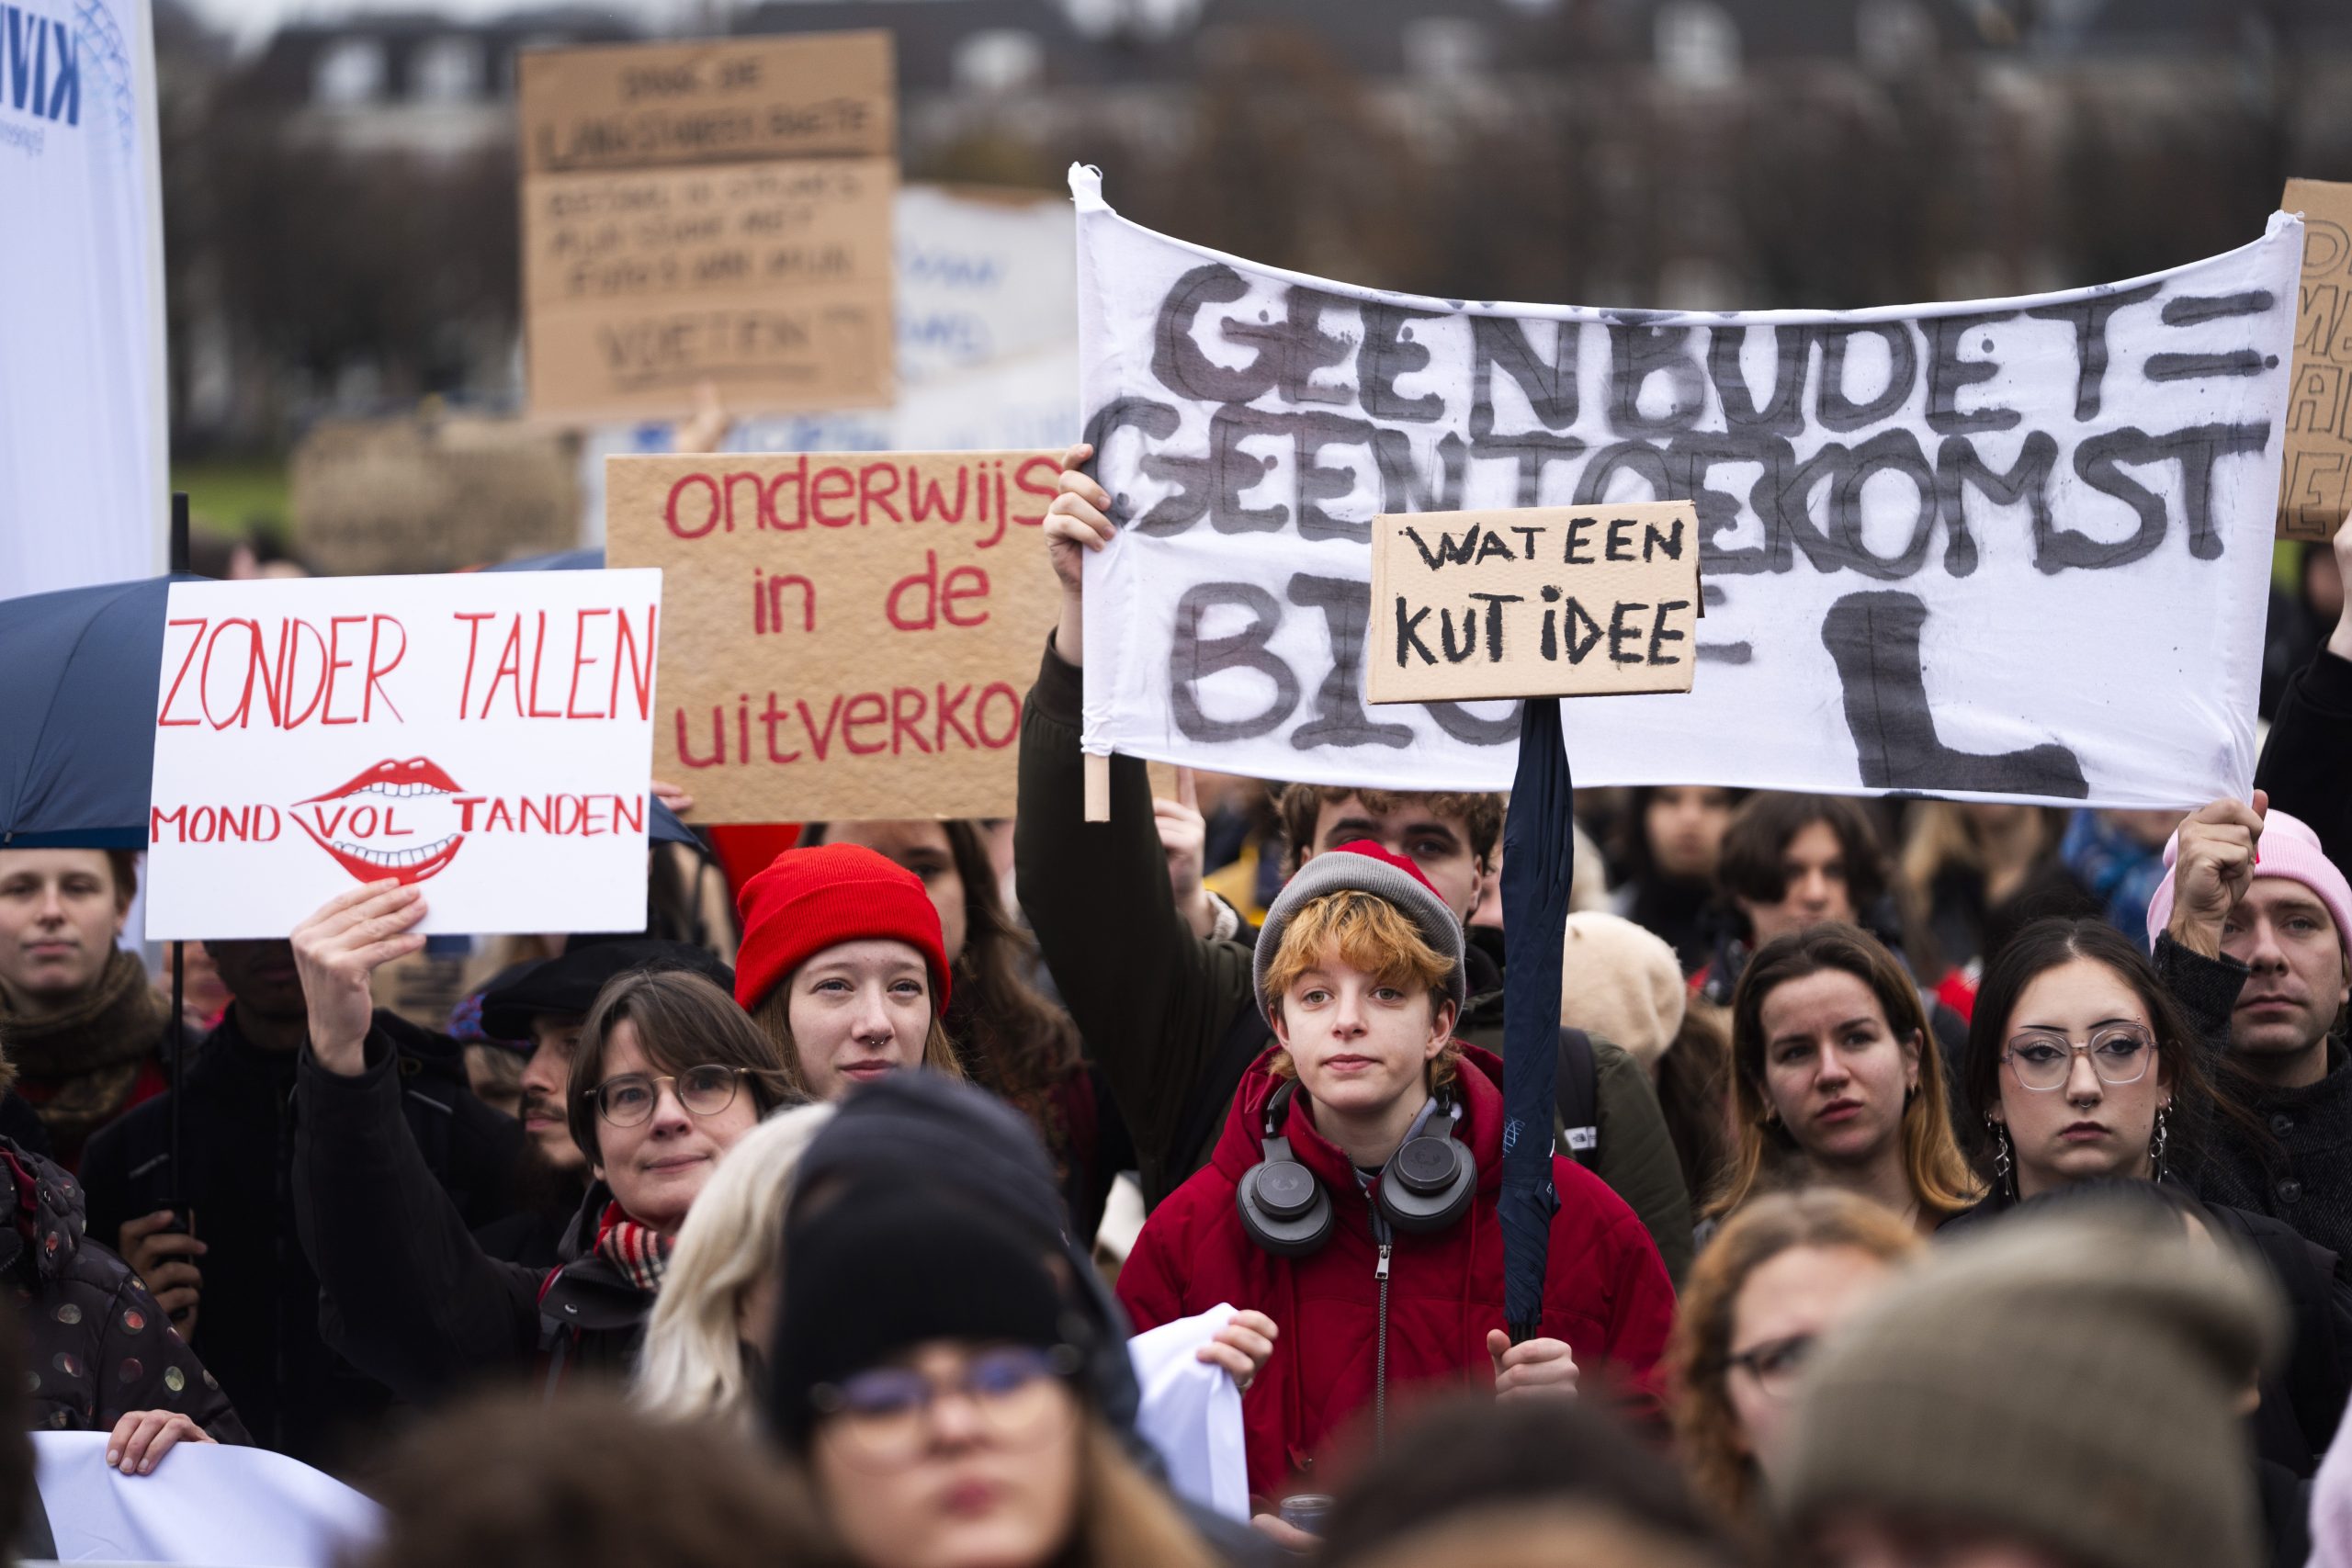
[640,1252]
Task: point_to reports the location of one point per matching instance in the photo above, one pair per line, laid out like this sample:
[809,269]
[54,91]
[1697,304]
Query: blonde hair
[1698,1353]
[692,1362]
[1124,1519]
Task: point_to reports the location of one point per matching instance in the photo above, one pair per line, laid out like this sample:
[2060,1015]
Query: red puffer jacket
[1339,1349]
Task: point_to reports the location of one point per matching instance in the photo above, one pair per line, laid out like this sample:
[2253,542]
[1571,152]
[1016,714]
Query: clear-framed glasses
[629,1099]
[882,1416]
[2043,1058]
[1775,1363]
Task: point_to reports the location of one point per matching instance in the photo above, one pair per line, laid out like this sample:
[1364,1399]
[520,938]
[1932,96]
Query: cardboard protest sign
[415,494]
[2316,494]
[851,633]
[713,212]
[2010,548]
[1536,602]
[486,735]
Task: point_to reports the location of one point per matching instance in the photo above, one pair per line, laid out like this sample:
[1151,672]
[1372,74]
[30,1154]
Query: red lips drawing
[380,821]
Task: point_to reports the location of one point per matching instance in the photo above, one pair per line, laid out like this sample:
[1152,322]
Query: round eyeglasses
[882,1416]
[2043,1058]
[629,1099]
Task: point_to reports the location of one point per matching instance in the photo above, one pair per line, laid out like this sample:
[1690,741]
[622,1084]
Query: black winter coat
[409,1295]
[99,1346]
[2308,755]
[257,1323]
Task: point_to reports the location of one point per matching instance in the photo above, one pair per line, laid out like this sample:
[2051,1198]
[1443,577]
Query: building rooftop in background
[411,82]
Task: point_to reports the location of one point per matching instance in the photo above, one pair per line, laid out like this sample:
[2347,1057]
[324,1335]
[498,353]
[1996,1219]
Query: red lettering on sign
[980,716]
[975,588]
[710,517]
[165,718]
[579,660]
[925,499]
[824,489]
[641,668]
[375,671]
[1048,474]
[873,496]
[334,663]
[538,663]
[905,723]
[864,709]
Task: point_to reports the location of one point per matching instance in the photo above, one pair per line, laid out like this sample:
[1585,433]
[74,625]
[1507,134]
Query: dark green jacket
[1168,1014]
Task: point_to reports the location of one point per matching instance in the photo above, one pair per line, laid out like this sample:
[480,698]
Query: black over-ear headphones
[1426,1185]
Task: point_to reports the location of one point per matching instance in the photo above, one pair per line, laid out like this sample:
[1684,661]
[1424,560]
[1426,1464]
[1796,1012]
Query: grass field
[236,497]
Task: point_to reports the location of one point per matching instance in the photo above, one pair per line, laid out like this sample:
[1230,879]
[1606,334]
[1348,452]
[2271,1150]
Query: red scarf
[640,1252]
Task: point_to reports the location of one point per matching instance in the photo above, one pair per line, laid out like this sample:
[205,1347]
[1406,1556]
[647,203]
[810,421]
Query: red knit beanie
[809,900]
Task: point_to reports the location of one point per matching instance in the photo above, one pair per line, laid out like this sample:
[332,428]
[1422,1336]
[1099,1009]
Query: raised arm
[408,1294]
[1152,999]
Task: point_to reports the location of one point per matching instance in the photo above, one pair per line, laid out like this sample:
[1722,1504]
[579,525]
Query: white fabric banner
[83,442]
[1192,1412]
[2013,548]
[207,1503]
[488,736]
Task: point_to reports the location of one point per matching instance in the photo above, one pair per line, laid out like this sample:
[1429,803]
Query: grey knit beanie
[1364,867]
[2073,1382]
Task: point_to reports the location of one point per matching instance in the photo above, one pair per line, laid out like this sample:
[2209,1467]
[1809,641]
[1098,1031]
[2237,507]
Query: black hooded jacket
[409,1297]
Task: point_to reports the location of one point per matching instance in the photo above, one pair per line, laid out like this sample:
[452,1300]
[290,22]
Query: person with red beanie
[843,967]
[1352,1196]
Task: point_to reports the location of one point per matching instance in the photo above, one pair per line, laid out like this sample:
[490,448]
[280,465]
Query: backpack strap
[1579,1097]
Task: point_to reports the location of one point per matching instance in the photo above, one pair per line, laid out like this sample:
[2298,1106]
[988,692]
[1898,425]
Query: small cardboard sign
[711,101]
[1533,601]
[851,633]
[484,736]
[2315,483]
[712,212]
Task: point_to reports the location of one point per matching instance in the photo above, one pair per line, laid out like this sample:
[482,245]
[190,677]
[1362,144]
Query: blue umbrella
[1539,861]
[78,710]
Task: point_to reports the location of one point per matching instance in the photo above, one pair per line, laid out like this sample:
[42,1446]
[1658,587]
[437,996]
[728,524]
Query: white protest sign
[2015,549]
[84,465]
[486,736]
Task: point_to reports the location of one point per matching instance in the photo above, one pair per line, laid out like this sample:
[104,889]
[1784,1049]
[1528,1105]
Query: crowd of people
[1938,1184]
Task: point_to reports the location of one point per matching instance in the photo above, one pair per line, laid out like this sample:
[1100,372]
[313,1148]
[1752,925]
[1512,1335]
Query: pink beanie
[2288,848]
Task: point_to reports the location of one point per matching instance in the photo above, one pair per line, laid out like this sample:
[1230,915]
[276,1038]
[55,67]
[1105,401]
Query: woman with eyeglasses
[1785,1270]
[927,1377]
[2080,1066]
[1837,1081]
[2085,1073]
[668,1075]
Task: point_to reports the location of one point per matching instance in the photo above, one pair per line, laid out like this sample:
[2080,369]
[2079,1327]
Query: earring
[2156,1144]
[2004,1168]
